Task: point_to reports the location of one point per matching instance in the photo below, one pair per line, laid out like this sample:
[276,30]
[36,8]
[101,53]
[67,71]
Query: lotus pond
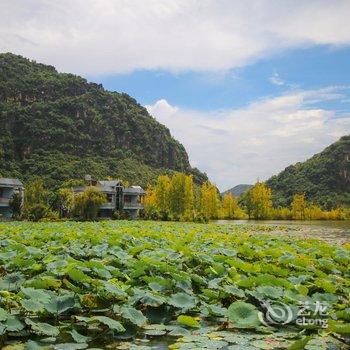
[151,285]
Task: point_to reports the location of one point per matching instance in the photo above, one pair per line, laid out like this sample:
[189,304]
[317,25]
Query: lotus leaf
[243,315]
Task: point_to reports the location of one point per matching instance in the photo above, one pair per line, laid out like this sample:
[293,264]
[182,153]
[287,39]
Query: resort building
[118,198]
[8,187]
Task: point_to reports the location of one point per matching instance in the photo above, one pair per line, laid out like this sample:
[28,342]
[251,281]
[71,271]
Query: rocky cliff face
[45,114]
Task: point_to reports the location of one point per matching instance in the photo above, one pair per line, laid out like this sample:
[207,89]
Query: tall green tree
[35,205]
[177,194]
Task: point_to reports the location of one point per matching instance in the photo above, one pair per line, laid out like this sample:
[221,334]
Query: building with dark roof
[118,197]
[8,187]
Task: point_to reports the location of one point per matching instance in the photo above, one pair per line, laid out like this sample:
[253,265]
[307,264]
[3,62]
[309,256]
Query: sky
[247,87]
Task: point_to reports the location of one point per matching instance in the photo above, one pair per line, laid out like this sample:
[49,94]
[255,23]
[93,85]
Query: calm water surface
[334,231]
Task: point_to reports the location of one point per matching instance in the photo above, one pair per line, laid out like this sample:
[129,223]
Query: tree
[230,208]
[299,206]
[87,203]
[177,195]
[260,201]
[245,201]
[162,192]
[16,205]
[189,198]
[150,203]
[209,201]
[66,201]
[35,206]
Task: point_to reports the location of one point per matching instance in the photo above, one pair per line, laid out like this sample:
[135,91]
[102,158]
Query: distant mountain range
[57,126]
[238,190]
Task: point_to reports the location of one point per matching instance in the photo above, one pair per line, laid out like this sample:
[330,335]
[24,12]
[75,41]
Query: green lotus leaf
[32,345]
[188,321]
[133,315]
[79,338]
[241,347]
[114,290]
[60,304]
[234,291]
[70,346]
[326,285]
[37,294]
[155,332]
[178,331]
[217,310]
[43,328]
[77,275]
[12,282]
[270,292]
[3,314]
[339,327]
[243,315]
[43,282]
[83,319]
[112,324]
[299,344]
[152,299]
[343,314]
[32,305]
[13,324]
[182,300]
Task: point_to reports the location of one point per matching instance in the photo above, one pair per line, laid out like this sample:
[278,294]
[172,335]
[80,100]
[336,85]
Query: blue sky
[306,68]
[247,87]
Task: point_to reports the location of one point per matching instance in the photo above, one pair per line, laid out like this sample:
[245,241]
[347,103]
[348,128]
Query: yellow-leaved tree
[260,201]
[177,195]
[150,203]
[230,208]
[162,192]
[299,206]
[189,213]
[209,201]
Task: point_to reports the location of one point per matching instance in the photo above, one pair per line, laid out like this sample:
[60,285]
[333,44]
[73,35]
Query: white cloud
[276,80]
[115,36]
[242,145]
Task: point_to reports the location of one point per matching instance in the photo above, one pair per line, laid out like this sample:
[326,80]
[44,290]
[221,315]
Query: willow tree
[87,203]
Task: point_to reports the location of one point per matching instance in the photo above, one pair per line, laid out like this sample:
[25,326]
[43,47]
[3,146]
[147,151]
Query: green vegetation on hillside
[324,178]
[58,126]
[78,285]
